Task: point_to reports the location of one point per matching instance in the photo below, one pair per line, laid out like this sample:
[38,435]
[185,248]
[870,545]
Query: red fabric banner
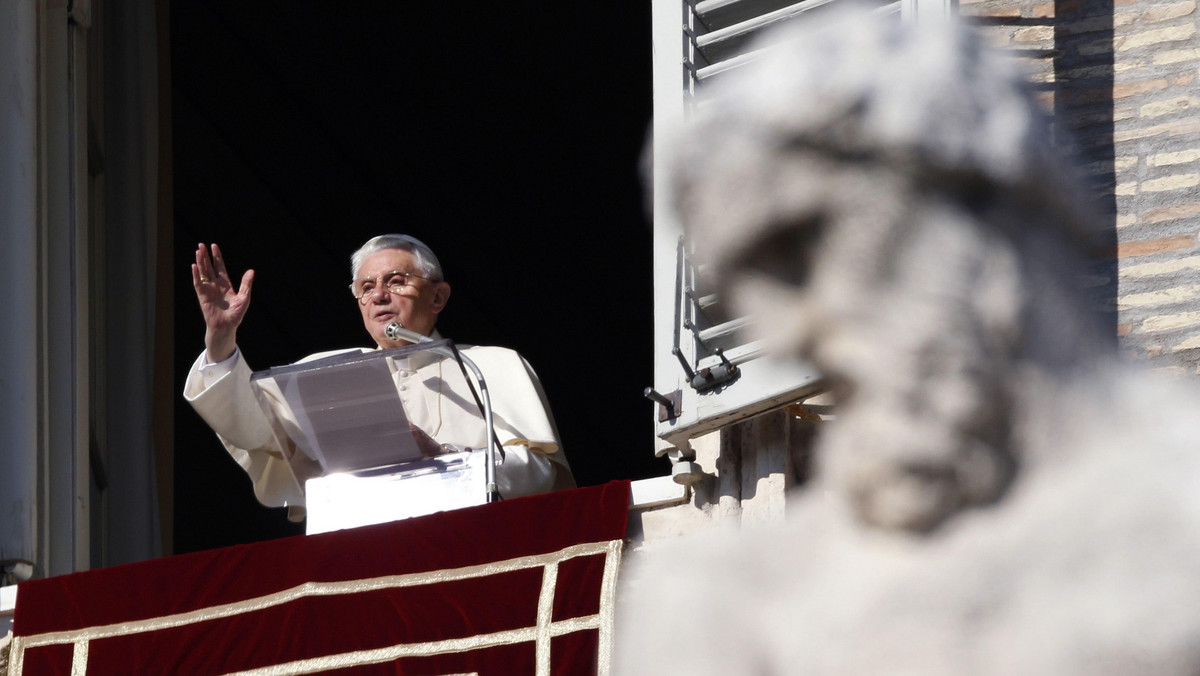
[523,586]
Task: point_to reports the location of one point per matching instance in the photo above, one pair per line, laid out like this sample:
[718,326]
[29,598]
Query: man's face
[415,306]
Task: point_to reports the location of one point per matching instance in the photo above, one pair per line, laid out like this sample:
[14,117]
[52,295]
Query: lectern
[347,414]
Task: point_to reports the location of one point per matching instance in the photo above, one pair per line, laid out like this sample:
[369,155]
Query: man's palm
[223,307]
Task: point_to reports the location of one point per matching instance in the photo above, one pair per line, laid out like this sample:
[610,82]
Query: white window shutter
[706,373]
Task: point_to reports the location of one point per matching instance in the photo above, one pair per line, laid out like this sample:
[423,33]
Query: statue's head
[885,196]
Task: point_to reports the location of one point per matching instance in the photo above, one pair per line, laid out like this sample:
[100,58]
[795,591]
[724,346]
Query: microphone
[396,331]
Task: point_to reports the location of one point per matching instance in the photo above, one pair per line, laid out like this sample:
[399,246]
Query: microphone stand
[395,331]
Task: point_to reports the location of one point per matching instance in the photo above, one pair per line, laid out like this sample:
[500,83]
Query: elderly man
[397,278]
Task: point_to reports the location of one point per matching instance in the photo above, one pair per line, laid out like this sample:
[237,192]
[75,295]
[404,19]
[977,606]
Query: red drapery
[523,586]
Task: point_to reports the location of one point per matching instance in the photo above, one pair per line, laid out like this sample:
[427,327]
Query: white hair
[427,263]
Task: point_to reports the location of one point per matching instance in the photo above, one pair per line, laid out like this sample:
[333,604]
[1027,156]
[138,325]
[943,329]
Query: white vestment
[253,422]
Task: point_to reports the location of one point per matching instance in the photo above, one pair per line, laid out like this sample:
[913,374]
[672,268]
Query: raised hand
[223,306]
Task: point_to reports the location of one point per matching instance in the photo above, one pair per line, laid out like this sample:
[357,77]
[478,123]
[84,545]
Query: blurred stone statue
[999,493]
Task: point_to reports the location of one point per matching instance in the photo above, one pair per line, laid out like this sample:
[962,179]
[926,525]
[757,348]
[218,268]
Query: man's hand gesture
[223,307]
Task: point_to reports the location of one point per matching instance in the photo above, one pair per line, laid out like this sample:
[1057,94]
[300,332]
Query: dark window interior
[505,135]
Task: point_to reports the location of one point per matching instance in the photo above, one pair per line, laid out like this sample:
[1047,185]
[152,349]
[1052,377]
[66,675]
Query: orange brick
[1154,351]
[1124,329]
[1149,246]
[1173,212]
[1184,79]
[1002,12]
[1120,91]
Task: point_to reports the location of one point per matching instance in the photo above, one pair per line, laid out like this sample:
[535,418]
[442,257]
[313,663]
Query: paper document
[347,410]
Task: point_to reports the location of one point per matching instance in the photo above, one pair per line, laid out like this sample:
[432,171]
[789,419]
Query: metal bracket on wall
[670,405]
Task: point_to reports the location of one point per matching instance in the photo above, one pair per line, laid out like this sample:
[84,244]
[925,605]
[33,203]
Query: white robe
[253,422]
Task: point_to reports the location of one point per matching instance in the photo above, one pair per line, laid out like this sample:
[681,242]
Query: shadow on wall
[1068,47]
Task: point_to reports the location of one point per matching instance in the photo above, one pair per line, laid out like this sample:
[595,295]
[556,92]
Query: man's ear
[441,294]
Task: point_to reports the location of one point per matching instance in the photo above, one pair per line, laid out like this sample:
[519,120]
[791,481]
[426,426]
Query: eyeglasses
[393,282]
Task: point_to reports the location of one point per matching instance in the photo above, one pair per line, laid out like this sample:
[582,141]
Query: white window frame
[686,53]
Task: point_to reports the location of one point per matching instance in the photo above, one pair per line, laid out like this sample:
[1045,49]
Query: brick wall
[1122,76]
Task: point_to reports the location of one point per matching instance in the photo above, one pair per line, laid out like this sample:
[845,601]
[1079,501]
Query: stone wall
[1122,76]
[749,468]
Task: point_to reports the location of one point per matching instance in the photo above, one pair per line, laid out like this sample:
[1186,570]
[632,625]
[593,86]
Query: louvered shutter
[707,373]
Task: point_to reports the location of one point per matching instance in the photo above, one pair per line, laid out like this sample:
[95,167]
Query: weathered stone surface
[1171,322]
[1176,56]
[1189,264]
[1178,294]
[1178,157]
[1169,106]
[1175,182]
[1168,12]
[1154,37]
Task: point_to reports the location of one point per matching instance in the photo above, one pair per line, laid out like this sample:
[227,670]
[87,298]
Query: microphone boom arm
[395,331]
